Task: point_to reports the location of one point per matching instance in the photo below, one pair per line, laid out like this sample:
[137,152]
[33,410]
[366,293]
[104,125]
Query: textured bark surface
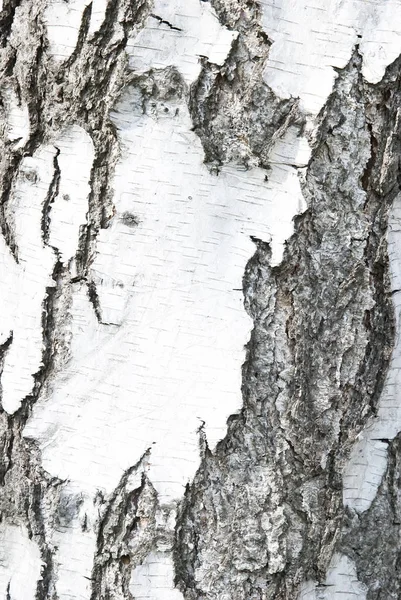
[178,181]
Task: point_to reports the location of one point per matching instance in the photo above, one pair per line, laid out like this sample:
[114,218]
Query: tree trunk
[200,284]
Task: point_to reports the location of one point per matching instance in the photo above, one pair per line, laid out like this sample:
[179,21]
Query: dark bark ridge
[236,115]
[265,512]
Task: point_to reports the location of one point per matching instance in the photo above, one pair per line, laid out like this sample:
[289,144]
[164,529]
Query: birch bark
[200,292]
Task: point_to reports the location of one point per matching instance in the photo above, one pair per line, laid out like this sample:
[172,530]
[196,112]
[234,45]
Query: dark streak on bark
[163,22]
[94,300]
[114,556]
[82,36]
[50,197]
[6,19]
[7,182]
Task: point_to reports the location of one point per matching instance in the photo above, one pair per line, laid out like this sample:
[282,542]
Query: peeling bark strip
[160,163]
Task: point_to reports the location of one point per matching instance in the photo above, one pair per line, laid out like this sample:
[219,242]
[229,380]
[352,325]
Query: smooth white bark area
[189,30]
[17,117]
[341,583]
[98,15]
[311,37]
[21,301]
[368,460]
[63,20]
[154,579]
[68,212]
[171,287]
[20,563]
[196,33]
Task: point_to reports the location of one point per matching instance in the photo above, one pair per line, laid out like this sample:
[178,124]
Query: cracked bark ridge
[265,510]
[236,115]
[126,535]
[81,90]
[131,526]
[372,539]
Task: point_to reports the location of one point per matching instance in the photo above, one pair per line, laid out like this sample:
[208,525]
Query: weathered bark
[180,179]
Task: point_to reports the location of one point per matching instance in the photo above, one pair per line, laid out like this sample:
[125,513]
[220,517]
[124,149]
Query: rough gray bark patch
[265,513]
